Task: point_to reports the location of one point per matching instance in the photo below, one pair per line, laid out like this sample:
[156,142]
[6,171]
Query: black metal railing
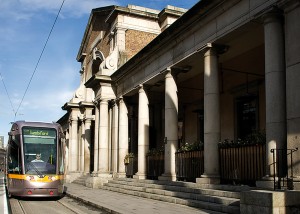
[282,174]
[242,164]
[155,165]
[189,165]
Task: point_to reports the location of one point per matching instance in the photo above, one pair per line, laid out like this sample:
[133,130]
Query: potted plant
[128,157]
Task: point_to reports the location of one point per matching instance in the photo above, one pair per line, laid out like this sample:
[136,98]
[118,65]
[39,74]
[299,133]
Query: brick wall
[136,40]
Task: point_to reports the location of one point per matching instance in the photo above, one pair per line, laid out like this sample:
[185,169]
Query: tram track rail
[63,205]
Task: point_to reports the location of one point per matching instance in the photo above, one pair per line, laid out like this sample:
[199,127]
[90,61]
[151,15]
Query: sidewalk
[112,202]
[3,197]
[115,202]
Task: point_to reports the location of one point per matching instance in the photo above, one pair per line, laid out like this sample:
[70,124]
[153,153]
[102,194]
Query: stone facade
[113,36]
[222,70]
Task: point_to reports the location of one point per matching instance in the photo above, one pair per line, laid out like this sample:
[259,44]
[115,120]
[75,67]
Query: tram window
[40,141]
[60,159]
[14,160]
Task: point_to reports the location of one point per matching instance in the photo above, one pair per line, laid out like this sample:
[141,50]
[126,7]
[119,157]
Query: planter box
[242,165]
[189,165]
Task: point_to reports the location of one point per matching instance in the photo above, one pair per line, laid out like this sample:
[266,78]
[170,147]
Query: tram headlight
[52,178]
[30,178]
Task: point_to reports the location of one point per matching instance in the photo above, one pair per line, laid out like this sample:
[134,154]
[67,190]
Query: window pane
[246,116]
[39,150]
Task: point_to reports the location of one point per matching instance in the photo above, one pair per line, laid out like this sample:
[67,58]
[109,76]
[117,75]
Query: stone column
[73,158]
[292,35]
[87,144]
[275,90]
[96,140]
[67,150]
[143,133]
[109,136]
[211,118]
[103,138]
[171,127]
[123,137]
[81,147]
[114,137]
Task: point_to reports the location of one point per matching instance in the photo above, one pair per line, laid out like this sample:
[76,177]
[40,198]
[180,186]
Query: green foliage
[255,138]
[156,151]
[129,155]
[196,146]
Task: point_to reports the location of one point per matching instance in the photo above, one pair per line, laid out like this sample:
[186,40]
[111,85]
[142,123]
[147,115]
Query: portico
[232,73]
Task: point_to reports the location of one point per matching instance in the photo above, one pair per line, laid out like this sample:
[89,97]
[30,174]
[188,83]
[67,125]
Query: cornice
[69,105]
[96,80]
[85,104]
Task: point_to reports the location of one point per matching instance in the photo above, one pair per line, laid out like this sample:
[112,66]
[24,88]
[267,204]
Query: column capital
[88,118]
[103,101]
[275,15]
[120,99]
[113,102]
[141,88]
[96,102]
[73,119]
[213,48]
[289,5]
[211,51]
[165,71]
[168,74]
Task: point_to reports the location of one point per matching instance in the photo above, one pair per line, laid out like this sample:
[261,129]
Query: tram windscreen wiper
[40,175]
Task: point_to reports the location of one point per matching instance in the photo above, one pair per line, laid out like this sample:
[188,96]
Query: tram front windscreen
[40,150]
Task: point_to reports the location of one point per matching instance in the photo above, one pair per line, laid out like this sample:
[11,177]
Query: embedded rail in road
[63,205]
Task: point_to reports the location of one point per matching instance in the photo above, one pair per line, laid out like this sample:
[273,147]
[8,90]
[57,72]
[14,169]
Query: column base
[94,174]
[121,175]
[71,176]
[208,179]
[167,177]
[98,181]
[140,176]
[267,183]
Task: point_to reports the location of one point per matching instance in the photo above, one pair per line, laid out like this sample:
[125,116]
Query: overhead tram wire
[7,94]
[34,71]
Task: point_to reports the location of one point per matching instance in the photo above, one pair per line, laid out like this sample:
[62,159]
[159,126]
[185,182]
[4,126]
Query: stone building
[152,79]
[113,36]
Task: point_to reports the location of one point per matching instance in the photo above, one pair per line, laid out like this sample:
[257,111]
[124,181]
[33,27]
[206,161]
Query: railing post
[274,167]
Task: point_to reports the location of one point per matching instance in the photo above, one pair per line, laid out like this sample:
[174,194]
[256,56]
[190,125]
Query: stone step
[208,205]
[231,188]
[217,198]
[177,193]
[191,189]
[81,180]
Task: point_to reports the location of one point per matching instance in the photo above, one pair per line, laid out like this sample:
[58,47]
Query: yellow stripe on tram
[36,178]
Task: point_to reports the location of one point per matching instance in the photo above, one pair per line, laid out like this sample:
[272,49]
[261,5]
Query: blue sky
[24,28]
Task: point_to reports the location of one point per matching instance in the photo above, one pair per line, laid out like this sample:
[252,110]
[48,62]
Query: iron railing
[155,165]
[243,164]
[189,165]
[282,158]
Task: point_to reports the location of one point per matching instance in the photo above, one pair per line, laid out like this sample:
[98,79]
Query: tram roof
[35,124]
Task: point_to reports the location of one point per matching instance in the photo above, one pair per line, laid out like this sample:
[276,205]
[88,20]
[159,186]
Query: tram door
[14,164]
